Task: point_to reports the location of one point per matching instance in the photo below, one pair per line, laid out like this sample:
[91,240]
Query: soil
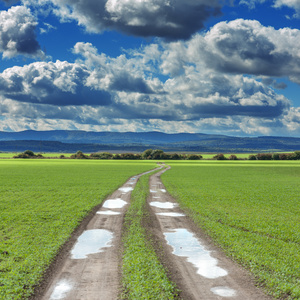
[98,275]
[184,273]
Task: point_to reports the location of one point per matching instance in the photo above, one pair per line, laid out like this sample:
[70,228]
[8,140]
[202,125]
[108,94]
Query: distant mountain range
[71,141]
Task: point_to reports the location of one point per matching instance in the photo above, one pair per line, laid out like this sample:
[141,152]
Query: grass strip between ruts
[144,277]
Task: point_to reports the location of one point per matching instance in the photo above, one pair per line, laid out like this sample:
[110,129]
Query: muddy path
[200,269]
[89,268]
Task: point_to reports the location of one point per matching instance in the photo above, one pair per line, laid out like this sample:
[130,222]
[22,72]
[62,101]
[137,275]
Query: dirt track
[208,274]
[88,274]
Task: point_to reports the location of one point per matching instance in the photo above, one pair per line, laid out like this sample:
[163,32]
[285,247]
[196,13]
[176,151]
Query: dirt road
[85,272]
[199,268]
[89,267]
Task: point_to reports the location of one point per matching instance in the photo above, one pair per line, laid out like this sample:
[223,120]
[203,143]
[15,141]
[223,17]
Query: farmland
[251,209]
[42,202]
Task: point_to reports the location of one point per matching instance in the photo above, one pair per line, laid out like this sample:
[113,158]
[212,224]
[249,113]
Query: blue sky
[210,66]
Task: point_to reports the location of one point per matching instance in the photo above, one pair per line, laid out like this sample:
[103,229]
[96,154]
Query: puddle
[152,191]
[61,290]
[163,190]
[171,214]
[108,212]
[156,197]
[169,205]
[91,241]
[185,244]
[114,203]
[126,189]
[223,291]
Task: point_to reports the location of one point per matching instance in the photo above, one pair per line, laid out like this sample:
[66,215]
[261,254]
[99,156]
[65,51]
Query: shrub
[220,157]
[276,156]
[233,157]
[104,155]
[252,157]
[79,155]
[264,156]
[194,157]
[29,153]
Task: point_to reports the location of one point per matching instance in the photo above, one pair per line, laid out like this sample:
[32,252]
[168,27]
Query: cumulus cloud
[17,33]
[59,83]
[170,19]
[247,47]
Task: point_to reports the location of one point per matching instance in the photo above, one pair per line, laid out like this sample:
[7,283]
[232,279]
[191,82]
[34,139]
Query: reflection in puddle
[223,291]
[171,214]
[91,241]
[163,190]
[185,244]
[126,189]
[61,290]
[114,203]
[163,204]
[152,191]
[108,212]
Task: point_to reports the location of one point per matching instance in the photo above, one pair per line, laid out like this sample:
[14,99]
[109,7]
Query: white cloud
[247,47]
[167,19]
[17,33]
[294,4]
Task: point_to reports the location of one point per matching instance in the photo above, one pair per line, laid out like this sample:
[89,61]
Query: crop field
[42,202]
[251,209]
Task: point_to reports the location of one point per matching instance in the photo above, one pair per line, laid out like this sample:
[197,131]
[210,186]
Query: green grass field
[42,202]
[251,209]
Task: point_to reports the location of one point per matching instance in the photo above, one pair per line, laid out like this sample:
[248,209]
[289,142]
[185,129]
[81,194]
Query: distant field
[11,154]
[251,209]
[42,202]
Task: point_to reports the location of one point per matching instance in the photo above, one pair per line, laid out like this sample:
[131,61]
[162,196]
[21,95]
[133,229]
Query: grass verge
[144,277]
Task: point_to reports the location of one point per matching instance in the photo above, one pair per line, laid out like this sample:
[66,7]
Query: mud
[89,267]
[198,267]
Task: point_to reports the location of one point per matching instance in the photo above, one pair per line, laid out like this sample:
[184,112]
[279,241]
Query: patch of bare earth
[195,264]
[88,268]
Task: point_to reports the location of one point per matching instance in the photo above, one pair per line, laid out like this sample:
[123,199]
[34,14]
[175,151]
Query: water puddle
[108,212]
[152,191]
[223,291]
[114,203]
[171,214]
[169,205]
[163,190]
[185,244]
[61,290]
[90,242]
[125,189]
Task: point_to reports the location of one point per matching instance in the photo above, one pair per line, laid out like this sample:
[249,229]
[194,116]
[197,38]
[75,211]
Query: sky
[202,66]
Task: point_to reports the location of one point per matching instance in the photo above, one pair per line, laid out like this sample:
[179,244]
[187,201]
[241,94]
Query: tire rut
[199,268]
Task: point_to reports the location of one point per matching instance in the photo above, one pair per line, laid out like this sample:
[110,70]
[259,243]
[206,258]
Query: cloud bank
[170,19]
[17,33]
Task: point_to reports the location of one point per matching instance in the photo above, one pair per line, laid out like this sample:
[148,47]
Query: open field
[42,202]
[251,209]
